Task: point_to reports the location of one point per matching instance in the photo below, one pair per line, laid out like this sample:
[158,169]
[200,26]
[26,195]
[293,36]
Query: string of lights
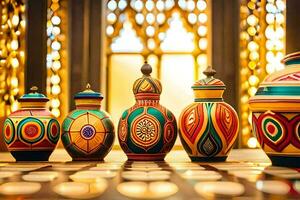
[55,57]
[12,56]
[261,49]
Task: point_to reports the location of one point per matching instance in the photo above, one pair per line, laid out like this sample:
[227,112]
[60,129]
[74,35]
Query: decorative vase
[208,127]
[32,132]
[88,132]
[147,130]
[276,113]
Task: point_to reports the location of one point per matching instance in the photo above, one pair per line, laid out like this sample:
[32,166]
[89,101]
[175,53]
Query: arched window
[173,36]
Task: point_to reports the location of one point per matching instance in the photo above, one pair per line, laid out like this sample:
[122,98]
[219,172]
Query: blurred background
[60,45]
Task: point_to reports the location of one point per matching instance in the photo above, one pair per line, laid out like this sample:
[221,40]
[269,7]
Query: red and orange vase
[276,113]
[32,132]
[208,127]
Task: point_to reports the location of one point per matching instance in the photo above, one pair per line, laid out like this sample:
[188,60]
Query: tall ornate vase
[276,113]
[88,132]
[208,127]
[147,130]
[32,132]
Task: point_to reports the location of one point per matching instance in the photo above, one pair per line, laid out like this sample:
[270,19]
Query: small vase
[147,130]
[276,113]
[208,127]
[88,132]
[32,132]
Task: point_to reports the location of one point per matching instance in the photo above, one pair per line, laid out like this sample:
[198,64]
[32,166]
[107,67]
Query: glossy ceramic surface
[276,113]
[88,132]
[209,126]
[31,133]
[147,131]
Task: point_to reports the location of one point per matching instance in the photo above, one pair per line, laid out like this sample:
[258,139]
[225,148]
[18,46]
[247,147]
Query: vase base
[146,157]
[285,161]
[87,159]
[31,155]
[208,159]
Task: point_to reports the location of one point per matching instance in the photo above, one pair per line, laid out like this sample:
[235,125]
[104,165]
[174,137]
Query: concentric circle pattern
[31,130]
[88,132]
[8,131]
[145,131]
[53,131]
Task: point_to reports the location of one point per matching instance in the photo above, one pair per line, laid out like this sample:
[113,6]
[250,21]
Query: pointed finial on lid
[209,72]
[146,69]
[34,89]
[88,86]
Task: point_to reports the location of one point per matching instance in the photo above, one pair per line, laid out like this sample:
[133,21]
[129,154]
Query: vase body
[276,114]
[208,127]
[32,132]
[147,131]
[88,132]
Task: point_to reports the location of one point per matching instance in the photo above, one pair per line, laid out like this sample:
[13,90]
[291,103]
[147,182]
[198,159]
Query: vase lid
[88,93]
[147,86]
[33,96]
[209,82]
[281,88]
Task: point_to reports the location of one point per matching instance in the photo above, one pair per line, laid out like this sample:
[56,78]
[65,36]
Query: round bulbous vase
[147,131]
[208,127]
[88,132]
[276,113]
[32,132]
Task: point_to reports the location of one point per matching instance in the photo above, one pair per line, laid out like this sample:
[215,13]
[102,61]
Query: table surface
[247,174]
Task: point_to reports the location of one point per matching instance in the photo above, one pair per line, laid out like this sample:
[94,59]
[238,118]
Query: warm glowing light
[109,30]
[55,20]
[160,18]
[56,45]
[149,5]
[252,20]
[111,18]
[202,30]
[15,20]
[55,103]
[157,31]
[150,18]
[55,89]
[14,45]
[192,18]
[201,5]
[203,43]
[176,30]
[252,142]
[253,80]
[112,5]
[150,31]
[15,63]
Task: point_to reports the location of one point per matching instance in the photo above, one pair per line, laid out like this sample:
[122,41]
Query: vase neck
[88,107]
[146,102]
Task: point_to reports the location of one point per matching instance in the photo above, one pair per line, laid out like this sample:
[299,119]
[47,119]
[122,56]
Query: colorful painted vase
[208,127]
[276,113]
[147,130]
[32,132]
[88,132]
